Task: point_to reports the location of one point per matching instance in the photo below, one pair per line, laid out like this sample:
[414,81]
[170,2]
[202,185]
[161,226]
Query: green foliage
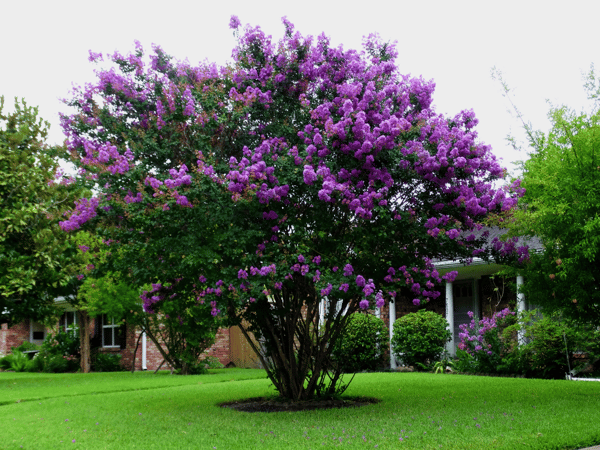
[111,295]
[211,362]
[362,345]
[60,353]
[552,346]
[561,207]
[419,338]
[33,251]
[552,343]
[107,362]
[26,346]
[464,362]
[443,364]
[63,343]
[16,361]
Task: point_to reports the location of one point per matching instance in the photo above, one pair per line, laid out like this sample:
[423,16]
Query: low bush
[419,338]
[15,361]
[363,344]
[549,348]
[211,362]
[59,353]
[486,341]
[107,362]
[552,343]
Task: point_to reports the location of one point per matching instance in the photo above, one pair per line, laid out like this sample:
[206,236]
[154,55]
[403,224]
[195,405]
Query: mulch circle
[269,404]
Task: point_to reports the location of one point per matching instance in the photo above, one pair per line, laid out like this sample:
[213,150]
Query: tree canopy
[561,206]
[33,250]
[298,174]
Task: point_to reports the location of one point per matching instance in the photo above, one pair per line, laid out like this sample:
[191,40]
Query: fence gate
[241,354]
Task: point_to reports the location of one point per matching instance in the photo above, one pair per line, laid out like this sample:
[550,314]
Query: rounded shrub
[363,344]
[419,338]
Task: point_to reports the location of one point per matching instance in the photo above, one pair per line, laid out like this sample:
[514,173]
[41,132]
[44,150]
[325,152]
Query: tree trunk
[84,341]
[293,349]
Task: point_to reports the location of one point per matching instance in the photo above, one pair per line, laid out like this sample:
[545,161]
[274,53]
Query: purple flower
[360,281]
[452,234]
[301,259]
[234,22]
[316,260]
[364,304]
[348,269]
[344,287]
[325,292]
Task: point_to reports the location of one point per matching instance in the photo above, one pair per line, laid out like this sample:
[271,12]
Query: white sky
[542,47]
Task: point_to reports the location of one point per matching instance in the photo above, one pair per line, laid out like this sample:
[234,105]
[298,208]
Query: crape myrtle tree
[297,174]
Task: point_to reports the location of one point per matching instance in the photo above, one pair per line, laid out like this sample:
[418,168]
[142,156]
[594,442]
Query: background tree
[301,173]
[561,206]
[33,250]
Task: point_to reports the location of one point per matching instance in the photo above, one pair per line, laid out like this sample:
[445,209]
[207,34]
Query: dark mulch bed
[266,404]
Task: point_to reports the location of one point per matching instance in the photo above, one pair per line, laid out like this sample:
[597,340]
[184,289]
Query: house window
[111,331]
[68,321]
[37,333]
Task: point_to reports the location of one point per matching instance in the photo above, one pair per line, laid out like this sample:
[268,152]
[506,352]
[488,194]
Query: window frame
[110,323]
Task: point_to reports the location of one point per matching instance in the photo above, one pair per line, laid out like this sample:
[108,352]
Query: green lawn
[146,411]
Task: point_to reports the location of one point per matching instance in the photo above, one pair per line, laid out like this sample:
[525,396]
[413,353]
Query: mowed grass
[146,411]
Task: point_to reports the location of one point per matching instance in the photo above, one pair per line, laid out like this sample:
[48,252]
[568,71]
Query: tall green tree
[561,206]
[33,250]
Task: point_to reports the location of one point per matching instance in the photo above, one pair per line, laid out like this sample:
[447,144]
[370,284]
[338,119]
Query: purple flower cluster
[85,209]
[473,336]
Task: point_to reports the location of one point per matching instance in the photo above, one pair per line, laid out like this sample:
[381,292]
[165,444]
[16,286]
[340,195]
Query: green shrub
[36,364]
[419,338]
[363,344]
[60,353]
[27,346]
[211,362]
[107,362]
[16,361]
[464,362]
[63,343]
[60,364]
[545,353]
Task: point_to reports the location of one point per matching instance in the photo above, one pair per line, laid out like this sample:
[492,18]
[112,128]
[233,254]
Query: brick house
[111,337]
[476,288]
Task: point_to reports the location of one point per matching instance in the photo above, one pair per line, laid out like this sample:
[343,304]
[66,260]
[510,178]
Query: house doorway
[463,303]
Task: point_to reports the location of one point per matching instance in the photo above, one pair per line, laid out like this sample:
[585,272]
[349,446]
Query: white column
[450,317]
[144,367]
[520,306]
[392,316]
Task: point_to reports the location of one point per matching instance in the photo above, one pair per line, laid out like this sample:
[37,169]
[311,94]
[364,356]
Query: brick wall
[13,336]
[220,349]
[153,356]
